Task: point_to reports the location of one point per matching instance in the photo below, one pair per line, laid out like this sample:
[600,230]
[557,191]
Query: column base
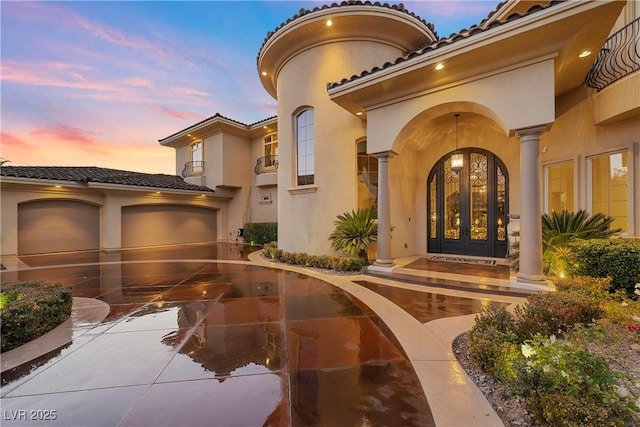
[532,279]
[382,266]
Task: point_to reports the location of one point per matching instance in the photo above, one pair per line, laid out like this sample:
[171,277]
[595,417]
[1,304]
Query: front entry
[468,206]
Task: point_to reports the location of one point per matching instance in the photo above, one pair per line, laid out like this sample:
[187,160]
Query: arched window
[305,147]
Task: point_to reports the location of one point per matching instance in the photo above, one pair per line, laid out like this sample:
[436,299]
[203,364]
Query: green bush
[550,314]
[31,310]
[572,387]
[490,337]
[615,258]
[326,262]
[260,233]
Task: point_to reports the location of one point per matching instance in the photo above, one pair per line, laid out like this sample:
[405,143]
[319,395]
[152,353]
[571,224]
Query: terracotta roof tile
[303,12]
[453,38]
[216,116]
[87,174]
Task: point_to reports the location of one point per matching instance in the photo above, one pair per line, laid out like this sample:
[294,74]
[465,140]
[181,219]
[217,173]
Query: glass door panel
[478,181]
[451,202]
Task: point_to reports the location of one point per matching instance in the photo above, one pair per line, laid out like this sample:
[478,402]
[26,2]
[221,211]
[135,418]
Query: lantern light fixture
[457,159]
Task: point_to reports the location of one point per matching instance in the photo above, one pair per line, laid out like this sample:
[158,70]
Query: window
[271,150]
[305,147]
[367,178]
[559,187]
[609,183]
[197,157]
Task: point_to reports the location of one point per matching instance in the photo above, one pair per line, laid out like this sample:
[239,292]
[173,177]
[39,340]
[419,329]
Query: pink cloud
[182,115]
[12,141]
[50,74]
[187,91]
[61,132]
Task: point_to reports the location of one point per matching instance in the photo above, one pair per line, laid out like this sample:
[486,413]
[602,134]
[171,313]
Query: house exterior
[455,140]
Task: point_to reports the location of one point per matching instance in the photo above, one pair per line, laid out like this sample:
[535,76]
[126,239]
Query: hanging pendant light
[457,159]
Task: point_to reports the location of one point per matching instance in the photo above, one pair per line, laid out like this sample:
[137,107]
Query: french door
[468,207]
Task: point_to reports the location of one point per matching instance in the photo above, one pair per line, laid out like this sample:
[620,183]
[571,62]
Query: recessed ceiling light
[359,113]
[264,73]
[58,186]
[585,53]
[439,66]
[329,22]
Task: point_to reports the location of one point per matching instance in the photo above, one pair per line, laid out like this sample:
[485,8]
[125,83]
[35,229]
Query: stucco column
[111,224]
[531,207]
[384,211]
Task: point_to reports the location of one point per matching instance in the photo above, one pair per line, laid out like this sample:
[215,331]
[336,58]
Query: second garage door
[154,225]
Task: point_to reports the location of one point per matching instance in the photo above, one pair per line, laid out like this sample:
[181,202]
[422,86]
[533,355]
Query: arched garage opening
[156,225]
[47,226]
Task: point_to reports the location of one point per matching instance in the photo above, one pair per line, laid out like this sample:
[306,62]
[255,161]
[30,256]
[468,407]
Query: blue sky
[98,83]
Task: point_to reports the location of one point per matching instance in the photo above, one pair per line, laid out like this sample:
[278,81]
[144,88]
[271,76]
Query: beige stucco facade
[379,74]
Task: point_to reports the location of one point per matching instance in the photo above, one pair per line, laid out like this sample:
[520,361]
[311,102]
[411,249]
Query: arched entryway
[468,207]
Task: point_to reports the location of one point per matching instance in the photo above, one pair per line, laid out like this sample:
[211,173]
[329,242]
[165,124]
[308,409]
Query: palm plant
[354,232]
[559,229]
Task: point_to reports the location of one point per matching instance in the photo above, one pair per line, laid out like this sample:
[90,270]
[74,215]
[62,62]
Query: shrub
[618,259]
[32,309]
[317,261]
[559,229]
[550,314]
[572,386]
[260,233]
[490,337]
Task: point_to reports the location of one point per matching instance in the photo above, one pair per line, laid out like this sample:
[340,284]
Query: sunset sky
[98,83]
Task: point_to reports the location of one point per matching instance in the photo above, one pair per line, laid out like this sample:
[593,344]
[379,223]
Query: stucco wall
[575,137]
[306,220]
[110,202]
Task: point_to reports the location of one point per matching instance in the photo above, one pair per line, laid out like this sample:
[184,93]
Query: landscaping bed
[31,309]
[571,358]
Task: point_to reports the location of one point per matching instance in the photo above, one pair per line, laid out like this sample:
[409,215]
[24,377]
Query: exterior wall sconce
[457,159]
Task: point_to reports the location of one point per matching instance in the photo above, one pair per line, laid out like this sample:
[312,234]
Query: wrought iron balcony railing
[619,57]
[193,168]
[266,164]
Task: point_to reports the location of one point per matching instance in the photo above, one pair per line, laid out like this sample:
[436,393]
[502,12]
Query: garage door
[152,225]
[47,226]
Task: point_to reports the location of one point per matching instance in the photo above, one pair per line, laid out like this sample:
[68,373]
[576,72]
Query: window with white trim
[271,150]
[559,187]
[305,147]
[197,157]
[609,187]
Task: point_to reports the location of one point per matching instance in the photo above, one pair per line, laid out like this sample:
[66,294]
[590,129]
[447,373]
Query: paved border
[454,399]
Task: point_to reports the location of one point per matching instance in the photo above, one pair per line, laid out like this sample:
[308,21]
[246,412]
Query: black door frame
[492,247]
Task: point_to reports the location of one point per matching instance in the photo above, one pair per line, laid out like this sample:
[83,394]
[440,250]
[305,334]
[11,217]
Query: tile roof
[453,38]
[87,174]
[215,116]
[303,12]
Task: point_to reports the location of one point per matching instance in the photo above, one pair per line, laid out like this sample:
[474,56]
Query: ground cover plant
[31,309]
[324,262]
[572,355]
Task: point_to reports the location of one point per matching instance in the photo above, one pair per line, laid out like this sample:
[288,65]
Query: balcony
[266,170]
[193,169]
[619,57]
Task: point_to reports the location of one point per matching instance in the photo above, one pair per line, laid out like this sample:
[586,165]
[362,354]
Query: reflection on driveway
[214,343]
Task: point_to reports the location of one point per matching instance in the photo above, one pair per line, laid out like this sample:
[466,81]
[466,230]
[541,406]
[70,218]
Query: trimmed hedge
[260,233]
[326,262]
[32,309]
[615,258]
